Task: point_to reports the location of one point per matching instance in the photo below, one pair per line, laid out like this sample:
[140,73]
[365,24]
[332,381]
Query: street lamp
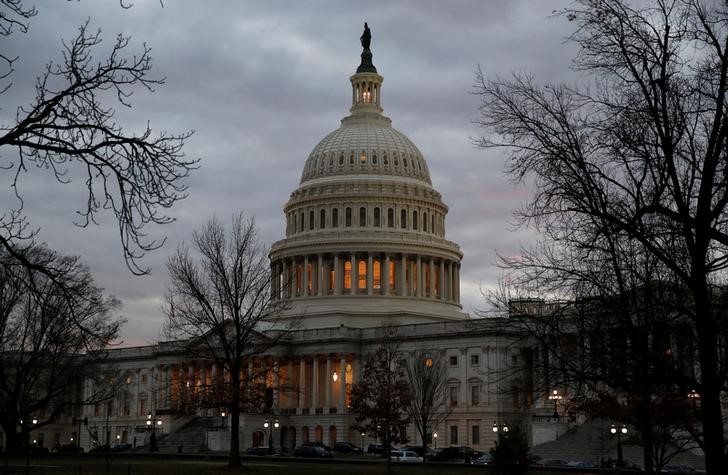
[619,430]
[434,436]
[555,397]
[269,430]
[151,427]
[362,442]
[500,427]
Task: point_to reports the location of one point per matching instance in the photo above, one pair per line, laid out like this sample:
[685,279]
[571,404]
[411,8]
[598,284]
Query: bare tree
[640,154]
[381,398]
[70,127]
[220,301]
[427,377]
[53,333]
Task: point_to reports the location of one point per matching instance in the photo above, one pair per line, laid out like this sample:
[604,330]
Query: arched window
[310,220]
[376,218]
[424,222]
[322,219]
[332,436]
[304,434]
[303,216]
[403,219]
[432,221]
[362,275]
[348,217]
[362,217]
[414,220]
[335,218]
[376,275]
[347,274]
[341,160]
[390,218]
[295,222]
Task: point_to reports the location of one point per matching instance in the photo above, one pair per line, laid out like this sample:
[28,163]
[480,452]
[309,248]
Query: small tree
[219,300]
[380,400]
[510,454]
[53,333]
[427,378]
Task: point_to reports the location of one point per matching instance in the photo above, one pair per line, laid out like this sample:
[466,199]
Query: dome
[366,148]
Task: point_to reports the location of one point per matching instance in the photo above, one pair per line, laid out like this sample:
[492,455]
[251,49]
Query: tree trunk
[234,459]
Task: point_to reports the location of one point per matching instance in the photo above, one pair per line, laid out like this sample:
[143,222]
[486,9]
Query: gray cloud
[263,82]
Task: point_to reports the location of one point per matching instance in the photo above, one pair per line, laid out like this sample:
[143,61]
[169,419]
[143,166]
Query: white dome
[365,148]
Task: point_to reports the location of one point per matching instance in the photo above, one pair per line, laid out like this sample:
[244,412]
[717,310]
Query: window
[302,218]
[347,274]
[403,219]
[453,435]
[453,361]
[475,394]
[475,435]
[363,157]
[348,217]
[414,220]
[392,281]
[322,219]
[376,218]
[376,275]
[453,393]
[362,217]
[335,218]
[474,360]
[362,275]
[144,378]
[390,218]
[424,222]
[310,220]
[143,407]
[432,221]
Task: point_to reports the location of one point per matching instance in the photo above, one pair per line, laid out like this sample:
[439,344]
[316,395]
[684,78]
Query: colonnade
[311,384]
[366,273]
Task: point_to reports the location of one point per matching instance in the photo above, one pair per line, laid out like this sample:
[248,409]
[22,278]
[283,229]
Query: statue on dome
[366,37]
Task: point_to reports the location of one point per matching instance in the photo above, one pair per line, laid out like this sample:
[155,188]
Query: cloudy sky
[262,82]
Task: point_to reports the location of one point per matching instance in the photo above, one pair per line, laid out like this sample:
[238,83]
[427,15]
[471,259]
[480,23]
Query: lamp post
[269,431]
[619,430]
[434,436]
[362,443]
[152,427]
[503,427]
[555,397]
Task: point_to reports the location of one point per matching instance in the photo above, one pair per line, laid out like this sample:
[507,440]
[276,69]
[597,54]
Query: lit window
[347,274]
[367,96]
[362,275]
[377,283]
[392,284]
[428,362]
[363,157]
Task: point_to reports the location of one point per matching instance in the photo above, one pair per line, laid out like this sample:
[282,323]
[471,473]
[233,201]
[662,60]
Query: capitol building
[365,251]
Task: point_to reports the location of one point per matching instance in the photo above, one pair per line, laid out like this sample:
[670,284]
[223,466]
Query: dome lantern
[366,86]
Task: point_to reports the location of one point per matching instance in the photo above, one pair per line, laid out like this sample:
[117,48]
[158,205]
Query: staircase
[592,441]
[189,438]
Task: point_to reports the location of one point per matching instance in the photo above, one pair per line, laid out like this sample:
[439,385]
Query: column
[289,383]
[370,274]
[301,383]
[327,385]
[286,281]
[457,282]
[384,268]
[306,277]
[314,385]
[402,275]
[442,280]
[419,291]
[337,275]
[342,383]
[354,274]
[322,275]
[432,278]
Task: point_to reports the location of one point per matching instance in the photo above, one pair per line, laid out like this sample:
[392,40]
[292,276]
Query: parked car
[405,456]
[581,464]
[419,450]
[453,454]
[68,448]
[551,463]
[485,459]
[260,451]
[347,448]
[375,449]
[311,451]
[120,447]
[678,468]
[314,443]
[37,449]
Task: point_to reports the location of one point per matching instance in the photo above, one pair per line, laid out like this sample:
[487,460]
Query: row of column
[305,385]
[319,275]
